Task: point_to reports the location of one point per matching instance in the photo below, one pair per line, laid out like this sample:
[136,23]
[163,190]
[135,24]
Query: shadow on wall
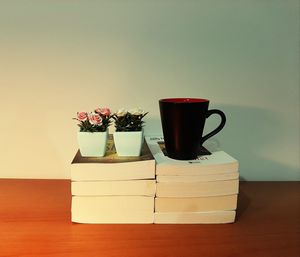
[253,134]
[250,136]
[153,126]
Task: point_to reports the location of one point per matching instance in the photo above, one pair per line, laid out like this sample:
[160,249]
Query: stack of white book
[204,190]
[113,189]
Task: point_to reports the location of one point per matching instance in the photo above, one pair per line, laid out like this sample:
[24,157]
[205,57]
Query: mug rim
[183,100]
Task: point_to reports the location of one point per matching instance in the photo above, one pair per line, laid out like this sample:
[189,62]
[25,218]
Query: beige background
[59,57]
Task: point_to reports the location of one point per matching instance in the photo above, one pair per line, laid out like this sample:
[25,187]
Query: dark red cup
[183,121]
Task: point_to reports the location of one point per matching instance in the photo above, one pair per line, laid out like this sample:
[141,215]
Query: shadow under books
[242,204]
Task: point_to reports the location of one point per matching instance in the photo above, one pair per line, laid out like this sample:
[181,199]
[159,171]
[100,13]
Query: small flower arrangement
[129,120]
[96,121]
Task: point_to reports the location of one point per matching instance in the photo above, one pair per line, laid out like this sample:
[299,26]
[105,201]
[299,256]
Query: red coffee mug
[183,121]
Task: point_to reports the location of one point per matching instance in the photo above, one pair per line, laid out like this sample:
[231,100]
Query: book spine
[196,204]
[130,187]
[198,189]
[218,217]
[124,171]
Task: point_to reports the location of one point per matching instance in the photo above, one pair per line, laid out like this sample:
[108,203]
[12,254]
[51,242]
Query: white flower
[136,111]
[121,112]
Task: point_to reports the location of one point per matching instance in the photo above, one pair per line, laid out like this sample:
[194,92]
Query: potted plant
[129,136]
[93,133]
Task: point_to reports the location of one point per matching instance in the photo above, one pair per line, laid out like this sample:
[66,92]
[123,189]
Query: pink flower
[95,119]
[103,111]
[82,116]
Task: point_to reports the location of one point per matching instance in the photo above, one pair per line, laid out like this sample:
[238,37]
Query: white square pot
[129,143]
[92,144]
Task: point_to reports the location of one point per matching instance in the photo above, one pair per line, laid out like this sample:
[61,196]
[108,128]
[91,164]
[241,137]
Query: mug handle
[219,128]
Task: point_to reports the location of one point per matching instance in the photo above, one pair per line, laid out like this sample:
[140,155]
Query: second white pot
[129,143]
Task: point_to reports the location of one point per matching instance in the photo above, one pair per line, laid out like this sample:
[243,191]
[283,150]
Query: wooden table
[35,221]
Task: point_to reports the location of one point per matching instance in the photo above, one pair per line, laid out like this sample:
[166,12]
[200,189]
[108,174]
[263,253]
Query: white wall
[59,57]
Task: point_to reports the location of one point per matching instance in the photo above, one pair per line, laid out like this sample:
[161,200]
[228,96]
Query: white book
[195,204]
[219,162]
[112,166]
[129,187]
[197,189]
[198,178]
[215,217]
[112,209]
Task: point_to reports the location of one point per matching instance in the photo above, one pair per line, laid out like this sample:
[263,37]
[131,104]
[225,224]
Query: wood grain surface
[35,221]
